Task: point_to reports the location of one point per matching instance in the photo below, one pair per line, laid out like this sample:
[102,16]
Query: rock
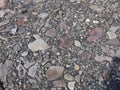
[77,78]
[76,67]
[2,13]
[32,71]
[20,22]
[72,0]
[5,69]
[97,8]
[95,21]
[111,35]
[103,58]
[87,20]
[54,72]
[13,31]
[2,3]
[63,25]
[68,77]
[43,15]
[59,83]
[65,42]
[71,85]
[5,22]
[77,43]
[114,42]
[106,74]
[38,44]
[118,53]
[21,71]
[114,28]
[28,64]
[95,34]
[51,33]
[25,53]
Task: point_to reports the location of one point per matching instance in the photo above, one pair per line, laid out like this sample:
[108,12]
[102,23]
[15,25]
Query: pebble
[51,33]
[77,78]
[77,43]
[54,72]
[118,53]
[68,77]
[72,0]
[38,44]
[95,22]
[111,35]
[2,13]
[76,67]
[32,71]
[59,83]
[43,15]
[114,28]
[71,85]
[87,20]
[25,53]
[103,58]
[2,3]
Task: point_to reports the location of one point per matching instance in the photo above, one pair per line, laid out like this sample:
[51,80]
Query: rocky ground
[58,44]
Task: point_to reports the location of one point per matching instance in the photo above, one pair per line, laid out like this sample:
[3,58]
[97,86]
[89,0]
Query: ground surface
[58,44]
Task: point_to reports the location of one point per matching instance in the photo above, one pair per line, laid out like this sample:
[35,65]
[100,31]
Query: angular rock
[63,25]
[77,78]
[111,35]
[59,83]
[95,34]
[2,3]
[54,72]
[32,71]
[71,85]
[21,71]
[65,42]
[68,77]
[114,42]
[97,8]
[51,33]
[77,43]
[38,44]
[5,69]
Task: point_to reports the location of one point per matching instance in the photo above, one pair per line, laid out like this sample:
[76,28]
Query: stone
[13,31]
[43,15]
[54,72]
[63,25]
[59,83]
[38,44]
[5,22]
[76,67]
[32,71]
[71,85]
[103,58]
[21,71]
[72,0]
[65,42]
[77,43]
[114,42]
[118,53]
[114,28]
[95,34]
[25,53]
[111,35]
[77,78]
[95,21]
[2,3]
[87,20]
[51,33]
[68,77]
[97,8]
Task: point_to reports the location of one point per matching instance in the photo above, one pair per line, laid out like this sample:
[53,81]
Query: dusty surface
[58,44]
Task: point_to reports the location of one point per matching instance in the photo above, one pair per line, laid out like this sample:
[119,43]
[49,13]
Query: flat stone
[59,83]
[77,78]
[43,15]
[76,67]
[38,44]
[71,85]
[25,53]
[68,77]
[51,33]
[32,71]
[111,35]
[103,58]
[54,72]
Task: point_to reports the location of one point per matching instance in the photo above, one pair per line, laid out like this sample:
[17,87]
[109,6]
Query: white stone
[25,53]
[72,0]
[71,85]
[95,21]
[87,20]
[77,43]
[111,35]
[68,77]
[38,44]
[43,15]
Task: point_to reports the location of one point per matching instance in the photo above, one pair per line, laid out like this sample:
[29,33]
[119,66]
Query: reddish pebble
[20,22]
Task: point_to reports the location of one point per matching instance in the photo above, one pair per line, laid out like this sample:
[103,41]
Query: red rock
[114,42]
[65,42]
[95,34]
[59,83]
[20,22]
[51,33]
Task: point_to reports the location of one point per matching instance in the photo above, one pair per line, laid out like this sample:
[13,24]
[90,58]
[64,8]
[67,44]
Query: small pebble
[111,35]
[76,67]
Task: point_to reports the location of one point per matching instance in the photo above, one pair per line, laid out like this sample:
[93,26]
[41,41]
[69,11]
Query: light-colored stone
[72,0]
[25,53]
[38,44]
[43,15]
[68,77]
[71,85]
[76,67]
[54,72]
[2,3]
[32,71]
[111,35]
[95,21]
[59,83]
[87,20]
[102,58]
[77,43]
